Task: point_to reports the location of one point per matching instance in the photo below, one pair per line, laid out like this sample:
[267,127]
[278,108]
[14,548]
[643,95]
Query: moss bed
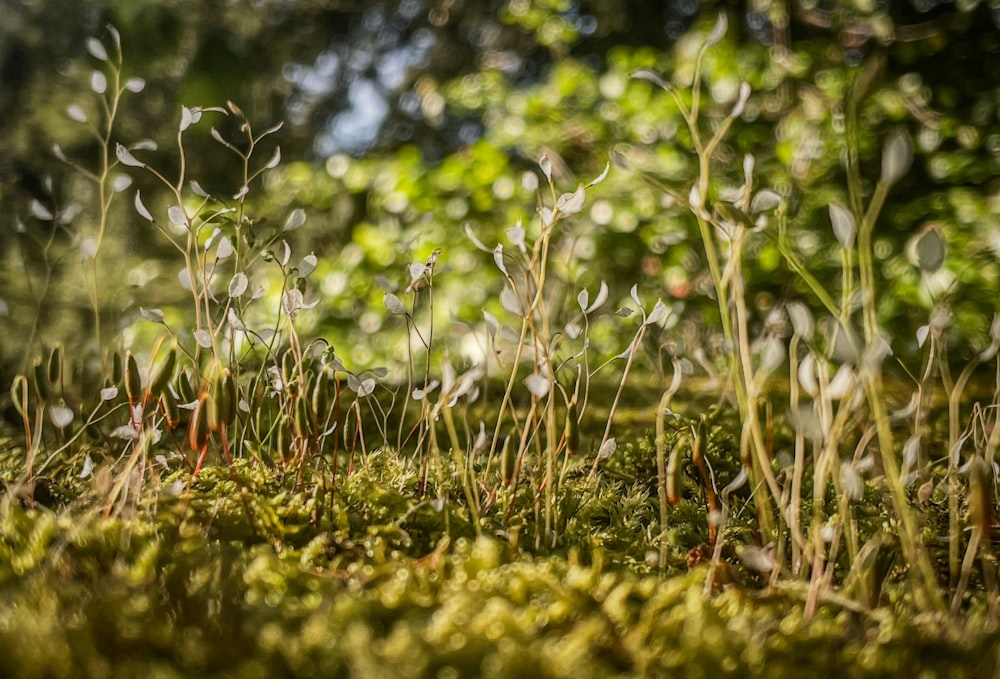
[232,575]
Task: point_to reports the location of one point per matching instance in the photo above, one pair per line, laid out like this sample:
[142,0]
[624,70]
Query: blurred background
[407,121]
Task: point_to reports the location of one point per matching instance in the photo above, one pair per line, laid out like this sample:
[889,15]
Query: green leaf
[930,250]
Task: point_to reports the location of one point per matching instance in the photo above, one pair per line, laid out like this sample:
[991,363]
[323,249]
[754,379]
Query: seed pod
[171,410]
[133,379]
[698,445]
[117,368]
[508,462]
[321,395]
[229,386]
[41,381]
[304,384]
[162,372]
[55,364]
[283,440]
[981,506]
[220,403]
[185,389]
[198,430]
[288,368]
[301,420]
[674,475]
[572,429]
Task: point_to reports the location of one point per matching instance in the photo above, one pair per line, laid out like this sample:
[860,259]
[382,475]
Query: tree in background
[406,120]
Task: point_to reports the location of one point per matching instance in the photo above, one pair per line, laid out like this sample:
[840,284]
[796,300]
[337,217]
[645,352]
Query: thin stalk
[798,466]
[463,471]
[662,409]
[925,580]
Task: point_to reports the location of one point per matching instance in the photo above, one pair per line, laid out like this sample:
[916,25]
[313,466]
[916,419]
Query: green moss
[240,576]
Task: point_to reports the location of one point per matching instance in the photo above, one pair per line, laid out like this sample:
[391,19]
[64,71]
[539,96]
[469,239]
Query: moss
[237,577]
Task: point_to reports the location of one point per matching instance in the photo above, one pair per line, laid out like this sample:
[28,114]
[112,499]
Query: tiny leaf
[844,226]
[608,449]
[238,285]
[296,219]
[764,200]
[772,355]
[151,315]
[602,297]
[366,387]
[491,322]
[498,260]
[203,338]
[217,136]
[121,182]
[571,203]
[802,319]
[930,250]
[235,322]
[125,432]
[741,102]
[516,235]
[116,37]
[76,112]
[537,385]
[510,302]
[897,156]
[60,416]
[96,49]
[394,304]
[601,177]
[141,209]
[39,211]
[308,264]
[176,216]
[98,82]
[475,241]
[275,159]
[225,249]
[546,166]
[658,313]
[922,332]
[88,249]
[125,157]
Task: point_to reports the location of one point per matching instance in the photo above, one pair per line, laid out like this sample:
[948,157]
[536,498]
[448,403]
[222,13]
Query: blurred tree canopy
[406,120]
